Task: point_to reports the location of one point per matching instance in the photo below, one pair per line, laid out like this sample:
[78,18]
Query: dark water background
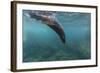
[41,43]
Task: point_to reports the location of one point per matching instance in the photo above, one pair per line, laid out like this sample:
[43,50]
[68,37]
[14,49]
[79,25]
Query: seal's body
[49,19]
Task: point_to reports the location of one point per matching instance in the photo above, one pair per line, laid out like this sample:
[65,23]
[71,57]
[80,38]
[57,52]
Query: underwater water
[41,43]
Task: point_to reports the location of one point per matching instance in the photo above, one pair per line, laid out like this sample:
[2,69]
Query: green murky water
[41,43]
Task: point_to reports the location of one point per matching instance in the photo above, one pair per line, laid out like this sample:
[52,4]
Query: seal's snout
[63,39]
